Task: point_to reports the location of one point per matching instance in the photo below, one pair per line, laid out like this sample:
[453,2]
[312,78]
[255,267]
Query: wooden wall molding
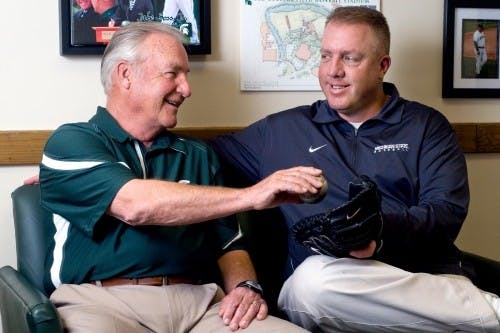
[25,147]
[478,137]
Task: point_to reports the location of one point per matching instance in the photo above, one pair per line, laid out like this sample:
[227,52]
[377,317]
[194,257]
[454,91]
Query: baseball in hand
[314,198]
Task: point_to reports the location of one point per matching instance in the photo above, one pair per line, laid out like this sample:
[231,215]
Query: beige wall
[40,90]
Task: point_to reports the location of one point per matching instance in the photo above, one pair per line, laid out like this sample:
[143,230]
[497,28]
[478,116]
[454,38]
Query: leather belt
[147,281]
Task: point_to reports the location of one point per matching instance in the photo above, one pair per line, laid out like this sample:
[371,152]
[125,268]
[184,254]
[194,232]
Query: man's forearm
[157,202]
[236,266]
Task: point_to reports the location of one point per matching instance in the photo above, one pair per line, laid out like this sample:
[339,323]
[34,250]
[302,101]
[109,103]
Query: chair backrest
[34,230]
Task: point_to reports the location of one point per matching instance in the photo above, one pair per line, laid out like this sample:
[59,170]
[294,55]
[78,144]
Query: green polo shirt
[83,167]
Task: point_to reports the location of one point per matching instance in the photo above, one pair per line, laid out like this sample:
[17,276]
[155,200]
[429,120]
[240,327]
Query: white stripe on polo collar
[141,159]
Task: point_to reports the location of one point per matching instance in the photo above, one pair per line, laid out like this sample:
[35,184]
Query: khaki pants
[167,309]
[326,294]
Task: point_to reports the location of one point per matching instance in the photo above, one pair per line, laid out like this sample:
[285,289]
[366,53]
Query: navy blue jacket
[408,149]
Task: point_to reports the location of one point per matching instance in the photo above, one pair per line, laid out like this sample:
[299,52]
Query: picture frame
[471,49]
[86,32]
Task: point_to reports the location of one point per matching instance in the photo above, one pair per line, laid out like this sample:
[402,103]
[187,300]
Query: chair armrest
[23,307]
[487,271]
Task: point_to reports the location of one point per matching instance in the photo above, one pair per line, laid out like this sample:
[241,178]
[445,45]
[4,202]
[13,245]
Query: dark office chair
[25,307]
[23,303]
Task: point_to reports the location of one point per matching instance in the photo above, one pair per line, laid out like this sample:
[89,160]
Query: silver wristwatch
[253,285]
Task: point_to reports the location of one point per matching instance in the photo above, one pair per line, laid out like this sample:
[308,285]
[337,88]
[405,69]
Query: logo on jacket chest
[391,148]
[314,149]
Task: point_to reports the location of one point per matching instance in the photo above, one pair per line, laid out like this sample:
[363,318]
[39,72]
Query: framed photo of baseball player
[86,26]
[471,49]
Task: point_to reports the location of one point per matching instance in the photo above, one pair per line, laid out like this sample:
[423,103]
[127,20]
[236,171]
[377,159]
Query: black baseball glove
[349,227]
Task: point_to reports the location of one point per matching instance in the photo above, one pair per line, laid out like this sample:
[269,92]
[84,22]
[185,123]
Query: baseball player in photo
[479,40]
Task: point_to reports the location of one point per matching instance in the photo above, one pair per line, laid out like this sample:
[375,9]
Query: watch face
[253,284]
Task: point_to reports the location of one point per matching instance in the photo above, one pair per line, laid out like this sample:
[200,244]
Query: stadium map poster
[280,42]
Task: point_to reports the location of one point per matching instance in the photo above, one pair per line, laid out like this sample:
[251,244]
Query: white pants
[326,294]
[481,59]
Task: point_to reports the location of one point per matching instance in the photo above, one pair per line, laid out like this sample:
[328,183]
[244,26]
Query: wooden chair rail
[25,147]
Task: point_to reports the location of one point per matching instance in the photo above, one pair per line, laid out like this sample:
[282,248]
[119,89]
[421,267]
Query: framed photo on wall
[86,26]
[471,49]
